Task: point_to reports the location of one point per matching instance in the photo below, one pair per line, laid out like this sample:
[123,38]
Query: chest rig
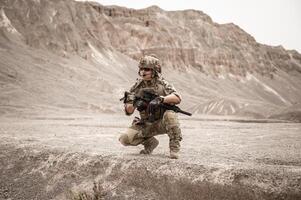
[157,88]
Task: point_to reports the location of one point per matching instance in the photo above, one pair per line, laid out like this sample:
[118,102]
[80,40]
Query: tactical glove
[154,104]
[140,105]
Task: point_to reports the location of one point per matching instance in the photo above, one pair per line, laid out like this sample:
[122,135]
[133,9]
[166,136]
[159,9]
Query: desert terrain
[64,157]
[65,64]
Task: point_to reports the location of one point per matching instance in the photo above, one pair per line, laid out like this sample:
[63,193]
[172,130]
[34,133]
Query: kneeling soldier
[154,119]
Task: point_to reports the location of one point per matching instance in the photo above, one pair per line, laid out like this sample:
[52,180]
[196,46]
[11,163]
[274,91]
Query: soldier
[143,130]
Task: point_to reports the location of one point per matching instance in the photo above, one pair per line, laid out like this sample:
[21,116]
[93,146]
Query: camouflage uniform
[143,133]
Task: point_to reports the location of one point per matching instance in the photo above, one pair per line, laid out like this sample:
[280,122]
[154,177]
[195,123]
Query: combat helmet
[152,62]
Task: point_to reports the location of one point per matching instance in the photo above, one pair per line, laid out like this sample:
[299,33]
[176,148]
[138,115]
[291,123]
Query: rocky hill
[60,55]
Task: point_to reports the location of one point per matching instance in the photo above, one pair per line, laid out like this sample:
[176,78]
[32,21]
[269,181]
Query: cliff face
[180,38]
[219,68]
[191,38]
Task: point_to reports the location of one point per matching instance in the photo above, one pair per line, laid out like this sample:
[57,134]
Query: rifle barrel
[175,108]
[185,113]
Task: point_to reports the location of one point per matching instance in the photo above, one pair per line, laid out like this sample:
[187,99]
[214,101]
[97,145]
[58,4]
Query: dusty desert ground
[76,156]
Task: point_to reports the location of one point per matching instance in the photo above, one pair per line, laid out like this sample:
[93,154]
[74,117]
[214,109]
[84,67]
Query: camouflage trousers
[169,124]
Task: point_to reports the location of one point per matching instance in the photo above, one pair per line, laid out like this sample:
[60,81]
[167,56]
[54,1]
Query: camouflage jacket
[160,86]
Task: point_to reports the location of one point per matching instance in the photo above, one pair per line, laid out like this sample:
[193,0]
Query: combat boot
[174,154]
[149,145]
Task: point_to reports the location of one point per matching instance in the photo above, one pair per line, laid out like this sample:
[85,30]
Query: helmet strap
[154,73]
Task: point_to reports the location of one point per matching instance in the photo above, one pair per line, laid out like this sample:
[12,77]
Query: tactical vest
[155,85]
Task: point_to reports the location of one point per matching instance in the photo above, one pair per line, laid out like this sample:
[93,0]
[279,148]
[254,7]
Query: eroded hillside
[82,55]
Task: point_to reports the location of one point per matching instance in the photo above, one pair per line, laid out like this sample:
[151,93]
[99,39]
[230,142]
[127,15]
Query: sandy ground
[262,158]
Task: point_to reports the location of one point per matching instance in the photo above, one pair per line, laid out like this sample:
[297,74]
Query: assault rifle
[148,96]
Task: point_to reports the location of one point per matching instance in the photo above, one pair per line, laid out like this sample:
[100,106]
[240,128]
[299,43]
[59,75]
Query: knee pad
[124,140]
[174,133]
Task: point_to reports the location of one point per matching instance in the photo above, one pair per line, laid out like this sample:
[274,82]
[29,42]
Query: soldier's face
[146,73]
